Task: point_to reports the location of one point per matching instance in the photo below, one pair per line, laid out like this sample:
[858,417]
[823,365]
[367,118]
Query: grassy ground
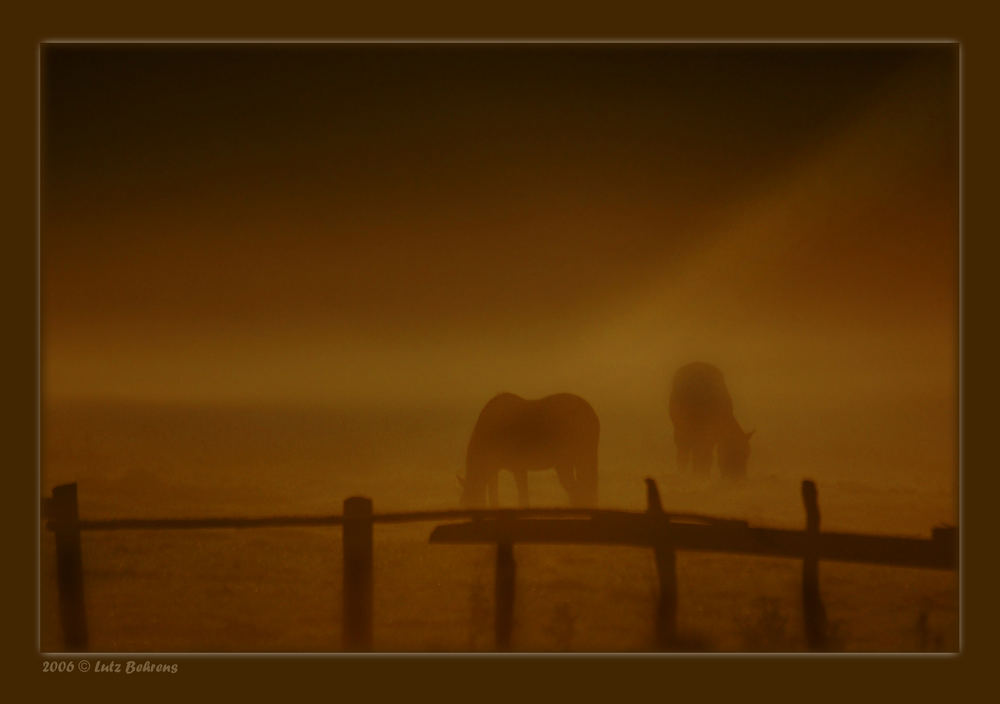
[279,589]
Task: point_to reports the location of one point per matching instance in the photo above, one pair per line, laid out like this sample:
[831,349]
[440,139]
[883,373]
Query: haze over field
[276,276]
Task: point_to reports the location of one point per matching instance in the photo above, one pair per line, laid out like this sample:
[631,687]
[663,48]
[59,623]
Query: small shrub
[562,627]
[927,638]
[766,629]
[480,617]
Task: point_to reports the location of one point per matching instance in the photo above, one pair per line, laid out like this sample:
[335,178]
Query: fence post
[505,573]
[813,611]
[666,569]
[358,587]
[946,539]
[69,566]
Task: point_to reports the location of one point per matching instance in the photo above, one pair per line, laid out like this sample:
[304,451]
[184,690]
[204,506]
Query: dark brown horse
[556,432]
[702,414]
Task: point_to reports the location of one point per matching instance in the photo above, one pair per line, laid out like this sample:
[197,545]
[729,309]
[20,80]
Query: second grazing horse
[702,413]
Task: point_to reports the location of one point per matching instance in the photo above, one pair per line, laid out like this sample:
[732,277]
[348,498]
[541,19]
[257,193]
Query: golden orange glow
[273,277]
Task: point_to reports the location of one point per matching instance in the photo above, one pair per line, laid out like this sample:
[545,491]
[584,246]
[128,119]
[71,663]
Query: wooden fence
[665,533]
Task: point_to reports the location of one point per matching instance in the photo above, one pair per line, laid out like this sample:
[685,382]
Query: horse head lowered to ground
[702,414]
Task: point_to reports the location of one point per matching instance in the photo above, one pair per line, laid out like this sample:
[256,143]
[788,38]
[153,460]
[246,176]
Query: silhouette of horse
[702,414]
[556,432]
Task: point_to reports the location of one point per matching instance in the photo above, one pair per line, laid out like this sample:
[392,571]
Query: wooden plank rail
[736,538]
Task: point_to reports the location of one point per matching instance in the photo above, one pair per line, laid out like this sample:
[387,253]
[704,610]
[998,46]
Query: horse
[556,432]
[702,414]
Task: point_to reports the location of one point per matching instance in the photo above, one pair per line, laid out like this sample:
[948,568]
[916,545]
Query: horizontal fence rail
[736,538]
[664,532]
[203,523]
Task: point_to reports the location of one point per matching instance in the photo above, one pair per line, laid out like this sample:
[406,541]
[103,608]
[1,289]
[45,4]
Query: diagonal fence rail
[664,532]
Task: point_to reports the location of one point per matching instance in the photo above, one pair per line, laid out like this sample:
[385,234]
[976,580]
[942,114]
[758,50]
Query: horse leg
[492,490]
[521,478]
[683,444]
[734,474]
[702,456]
[566,479]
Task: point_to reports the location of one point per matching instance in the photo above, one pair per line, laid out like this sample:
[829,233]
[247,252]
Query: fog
[273,278]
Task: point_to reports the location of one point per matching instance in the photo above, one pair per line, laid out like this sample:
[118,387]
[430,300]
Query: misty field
[274,277]
[279,589]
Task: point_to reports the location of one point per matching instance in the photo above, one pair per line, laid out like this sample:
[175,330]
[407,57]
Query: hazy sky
[314,222]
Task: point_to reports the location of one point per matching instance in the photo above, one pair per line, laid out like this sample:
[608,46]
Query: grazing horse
[556,432]
[702,414]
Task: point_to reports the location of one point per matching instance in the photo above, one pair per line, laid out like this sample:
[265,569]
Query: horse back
[512,426]
[699,397]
